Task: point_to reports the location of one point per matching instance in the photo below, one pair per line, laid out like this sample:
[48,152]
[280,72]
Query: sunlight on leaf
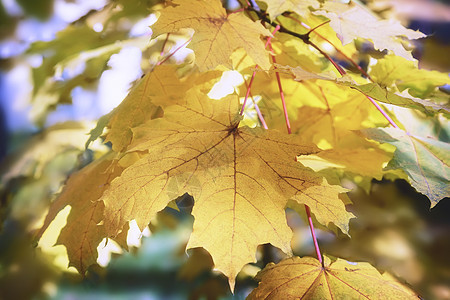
[83,233]
[301,7]
[217,34]
[352,21]
[105,249]
[47,242]
[199,141]
[426,161]
[305,278]
[227,84]
[405,74]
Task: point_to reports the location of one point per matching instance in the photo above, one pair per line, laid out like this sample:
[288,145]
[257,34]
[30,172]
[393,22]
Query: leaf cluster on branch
[309,115]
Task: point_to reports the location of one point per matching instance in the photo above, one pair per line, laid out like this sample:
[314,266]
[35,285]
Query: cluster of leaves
[243,169]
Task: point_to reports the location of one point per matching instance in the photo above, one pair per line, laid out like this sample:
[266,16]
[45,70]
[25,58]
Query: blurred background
[66,63]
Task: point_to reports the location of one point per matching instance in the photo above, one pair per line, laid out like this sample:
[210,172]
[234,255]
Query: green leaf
[404,99]
[404,74]
[425,160]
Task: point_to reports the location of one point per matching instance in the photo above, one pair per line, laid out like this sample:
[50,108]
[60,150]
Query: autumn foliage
[313,112]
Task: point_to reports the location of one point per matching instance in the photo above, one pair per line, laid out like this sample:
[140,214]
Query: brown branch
[304,37]
[287,15]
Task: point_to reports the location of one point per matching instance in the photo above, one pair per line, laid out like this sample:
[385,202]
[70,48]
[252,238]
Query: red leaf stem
[342,71]
[329,42]
[380,109]
[280,88]
[311,227]
[172,53]
[258,111]
[288,125]
[236,11]
[253,77]
[313,29]
[249,86]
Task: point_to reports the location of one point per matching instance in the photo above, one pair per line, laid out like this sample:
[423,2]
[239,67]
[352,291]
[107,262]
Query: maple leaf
[168,139]
[351,21]
[425,160]
[83,233]
[306,278]
[333,122]
[217,34]
[400,99]
[157,89]
[373,90]
[292,51]
[353,156]
[301,7]
[405,74]
[302,74]
[138,107]
[245,177]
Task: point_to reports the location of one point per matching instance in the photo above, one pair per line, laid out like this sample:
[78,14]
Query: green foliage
[425,160]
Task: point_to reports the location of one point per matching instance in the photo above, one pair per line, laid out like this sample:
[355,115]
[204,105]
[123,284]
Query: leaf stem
[303,37]
[253,77]
[380,109]
[311,227]
[288,125]
[313,29]
[258,111]
[236,11]
[249,86]
[331,60]
[342,71]
[280,88]
[172,53]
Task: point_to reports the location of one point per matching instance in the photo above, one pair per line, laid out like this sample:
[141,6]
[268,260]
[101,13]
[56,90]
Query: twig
[172,53]
[329,42]
[288,125]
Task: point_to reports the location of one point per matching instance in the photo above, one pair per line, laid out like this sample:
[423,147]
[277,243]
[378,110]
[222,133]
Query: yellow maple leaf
[159,88]
[301,7]
[240,178]
[306,278]
[217,34]
[138,107]
[82,233]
